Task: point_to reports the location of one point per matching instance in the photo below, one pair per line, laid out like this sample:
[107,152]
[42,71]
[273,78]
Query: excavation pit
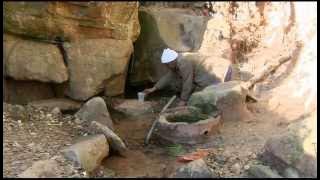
[186,125]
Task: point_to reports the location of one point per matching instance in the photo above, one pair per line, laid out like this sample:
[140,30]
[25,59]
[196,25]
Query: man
[186,74]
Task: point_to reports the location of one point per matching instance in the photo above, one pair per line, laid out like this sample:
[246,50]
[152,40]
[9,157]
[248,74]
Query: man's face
[172,65]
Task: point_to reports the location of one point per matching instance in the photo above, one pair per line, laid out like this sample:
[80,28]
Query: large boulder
[114,140]
[229,98]
[32,60]
[95,110]
[72,20]
[94,62]
[88,153]
[295,148]
[163,28]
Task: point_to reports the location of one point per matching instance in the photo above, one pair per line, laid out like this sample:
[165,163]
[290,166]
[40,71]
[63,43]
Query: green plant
[175,150]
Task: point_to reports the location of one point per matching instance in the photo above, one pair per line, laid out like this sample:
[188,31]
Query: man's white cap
[168,55]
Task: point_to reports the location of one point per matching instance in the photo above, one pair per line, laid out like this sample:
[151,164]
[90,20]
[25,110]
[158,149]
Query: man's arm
[186,71]
[164,81]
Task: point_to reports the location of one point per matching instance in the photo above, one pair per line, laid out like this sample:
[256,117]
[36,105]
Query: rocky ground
[32,134]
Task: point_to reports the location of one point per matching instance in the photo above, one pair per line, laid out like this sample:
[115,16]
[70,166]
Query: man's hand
[182,103]
[150,90]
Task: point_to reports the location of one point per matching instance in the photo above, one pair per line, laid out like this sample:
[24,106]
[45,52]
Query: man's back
[202,68]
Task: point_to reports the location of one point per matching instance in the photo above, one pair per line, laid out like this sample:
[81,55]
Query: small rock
[77,121]
[194,169]
[115,141]
[236,168]
[246,167]
[56,111]
[220,159]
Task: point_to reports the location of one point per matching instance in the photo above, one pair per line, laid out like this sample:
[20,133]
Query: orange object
[200,153]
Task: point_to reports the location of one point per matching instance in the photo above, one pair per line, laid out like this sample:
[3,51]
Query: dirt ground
[33,134]
[42,135]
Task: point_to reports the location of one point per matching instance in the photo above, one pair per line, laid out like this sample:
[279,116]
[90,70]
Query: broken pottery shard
[115,141]
[95,110]
[41,169]
[88,153]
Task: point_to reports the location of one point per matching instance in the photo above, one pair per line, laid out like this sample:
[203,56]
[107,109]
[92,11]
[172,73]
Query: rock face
[23,92]
[95,110]
[93,62]
[71,20]
[194,169]
[227,98]
[62,103]
[88,153]
[41,169]
[163,28]
[32,60]
[114,140]
[97,43]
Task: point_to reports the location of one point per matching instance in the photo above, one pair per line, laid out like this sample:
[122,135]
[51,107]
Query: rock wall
[81,48]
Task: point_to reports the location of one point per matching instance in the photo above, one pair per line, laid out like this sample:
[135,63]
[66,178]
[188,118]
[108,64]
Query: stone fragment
[88,153]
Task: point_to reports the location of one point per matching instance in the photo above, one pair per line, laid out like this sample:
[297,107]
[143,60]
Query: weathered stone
[295,148]
[63,104]
[114,140]
[41,169]
[94,62]
[194,169]
[16,112]
[163,28]
[116,85]
[236,168]
[88,153]
[95,110]
[48,20]
[23,92]
[186,125]
[291,173]
[133,107]
[56,112]
[261,171]
[32,60]
[228,98]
